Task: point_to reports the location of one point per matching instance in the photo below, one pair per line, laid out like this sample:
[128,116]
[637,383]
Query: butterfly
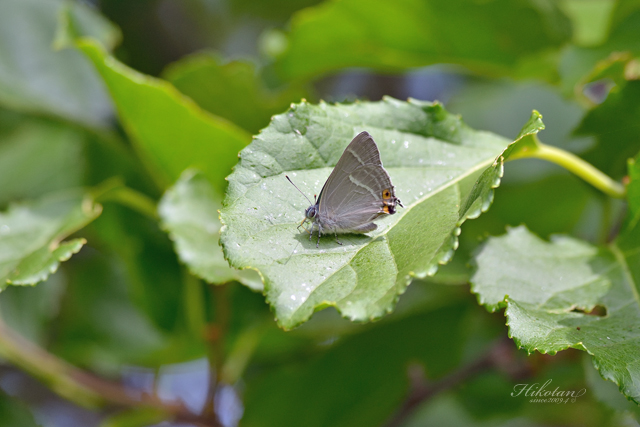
[357,192]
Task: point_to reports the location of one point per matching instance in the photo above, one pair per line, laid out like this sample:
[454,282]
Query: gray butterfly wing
[353,193]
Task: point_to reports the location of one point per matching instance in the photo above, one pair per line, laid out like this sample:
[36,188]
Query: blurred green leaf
[614,124]
[189,212]
[98,325]
[590,19]
[169,131]
[633,191]
[29,310]
[14,413]
[624,36]
[483,36]
[36,78]
[38,157]
[145,259]
[31,235]
[548,290]
[442,170]
[361,379]
[233,90]
[273,9]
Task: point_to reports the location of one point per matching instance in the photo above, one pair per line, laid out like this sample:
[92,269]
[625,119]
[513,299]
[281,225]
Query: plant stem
[114,190]
[81,387]
[135,200]
[576,165]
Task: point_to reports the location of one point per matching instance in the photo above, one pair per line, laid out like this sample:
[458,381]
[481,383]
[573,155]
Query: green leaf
[483,36]
[189,212]
[31,235]
[233,90]
[443,171]
[38,157]
[36,78]
[370,368]
[548,289]
[169,131]
[590,20]
[619,112]
[14,413]
[98,326]
[606,391]
[624,36]
[633,191]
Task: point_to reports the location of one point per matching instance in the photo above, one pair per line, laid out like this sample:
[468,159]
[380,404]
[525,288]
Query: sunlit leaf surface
[443,172]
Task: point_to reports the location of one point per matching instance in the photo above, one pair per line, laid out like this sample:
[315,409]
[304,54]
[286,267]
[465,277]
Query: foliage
[162,237]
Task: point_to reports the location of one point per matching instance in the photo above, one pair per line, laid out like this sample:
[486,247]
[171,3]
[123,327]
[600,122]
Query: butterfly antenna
[305,196]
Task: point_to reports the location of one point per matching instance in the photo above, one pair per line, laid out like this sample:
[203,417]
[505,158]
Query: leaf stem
[576,165]
[114,190]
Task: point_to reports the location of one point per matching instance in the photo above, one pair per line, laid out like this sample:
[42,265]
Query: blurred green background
[125,307]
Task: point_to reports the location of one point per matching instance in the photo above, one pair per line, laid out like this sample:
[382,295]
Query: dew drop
[406,144]
[293,297]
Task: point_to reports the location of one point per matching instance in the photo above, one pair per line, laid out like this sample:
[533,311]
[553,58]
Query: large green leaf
[189,212]
[36,78]
[549,289]
[443,172]
[233,90]
[31,236]
[169,131]
[411,33]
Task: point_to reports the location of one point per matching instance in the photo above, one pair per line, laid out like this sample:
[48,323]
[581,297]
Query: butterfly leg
[319,232]
[337,241]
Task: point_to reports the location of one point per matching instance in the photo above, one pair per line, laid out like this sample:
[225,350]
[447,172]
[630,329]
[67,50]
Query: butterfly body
[357,192]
